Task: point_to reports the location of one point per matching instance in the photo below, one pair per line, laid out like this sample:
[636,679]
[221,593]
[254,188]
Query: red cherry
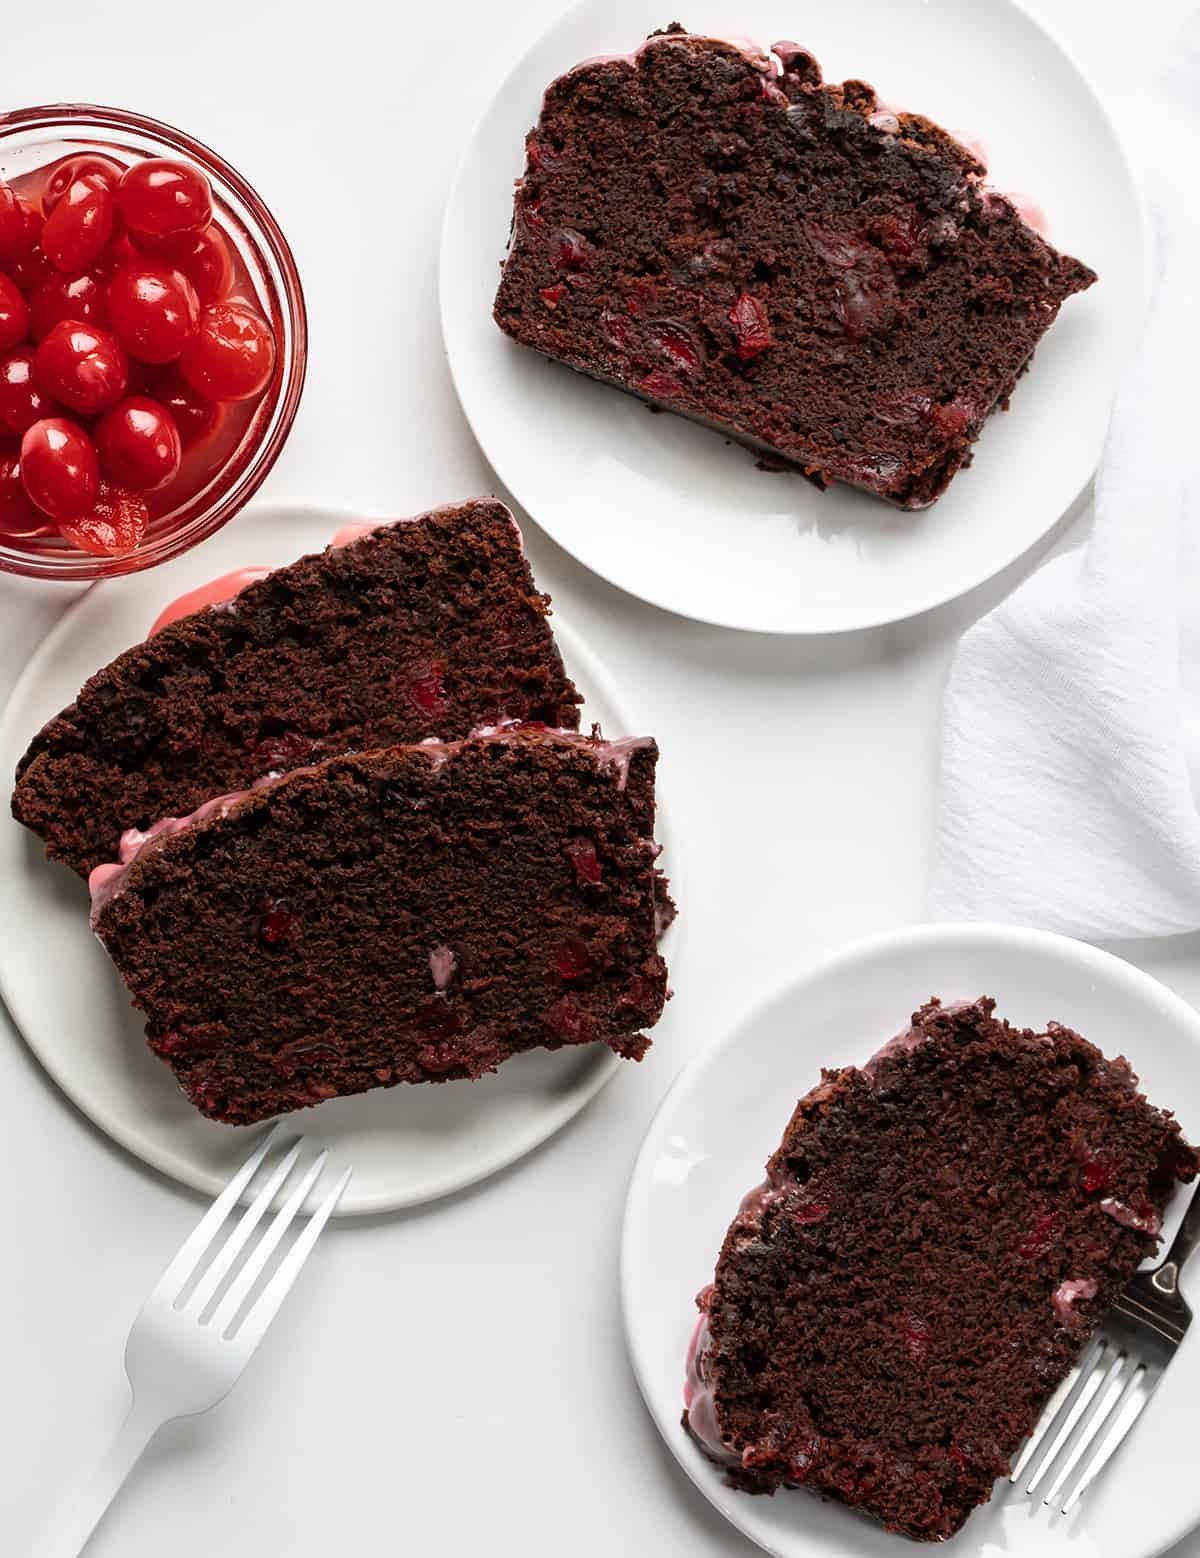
[917,1336]
[426,690]
[82,366]
[159,196]
[581,852]
[14,315]
[197,419]
[204,258]
[571,251]
[232,354]
[115,524]
[953,419]
[138,444]
[120,252]
[572,959]
[20,225]
[675,341]
[22,403]
[18,516]
[59,468]
[1098,1171]
[12,225]
[276,922]
[82,166]
[1043,1236]
[29,270]
[154,310]
[82,298]
[748,316]
[79,227]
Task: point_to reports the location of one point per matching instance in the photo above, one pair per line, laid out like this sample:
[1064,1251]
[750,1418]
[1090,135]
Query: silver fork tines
[1093,1411]
[206,1316]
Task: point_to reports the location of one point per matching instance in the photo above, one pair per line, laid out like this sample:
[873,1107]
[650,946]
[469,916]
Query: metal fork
[1097,1405]
[185,1351]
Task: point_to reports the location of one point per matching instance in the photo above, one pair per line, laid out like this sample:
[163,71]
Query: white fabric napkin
[1071,741]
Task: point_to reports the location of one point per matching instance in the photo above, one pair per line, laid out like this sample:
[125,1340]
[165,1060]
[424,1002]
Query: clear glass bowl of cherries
[152,341]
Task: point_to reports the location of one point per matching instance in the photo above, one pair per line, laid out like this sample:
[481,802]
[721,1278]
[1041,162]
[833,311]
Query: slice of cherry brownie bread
[939,1233]
[425,627]
[411,915]
[810,272]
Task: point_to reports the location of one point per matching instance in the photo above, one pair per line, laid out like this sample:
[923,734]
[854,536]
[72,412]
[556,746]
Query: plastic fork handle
[78,1518]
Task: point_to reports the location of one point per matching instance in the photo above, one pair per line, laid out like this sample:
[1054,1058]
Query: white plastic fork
[184,1355]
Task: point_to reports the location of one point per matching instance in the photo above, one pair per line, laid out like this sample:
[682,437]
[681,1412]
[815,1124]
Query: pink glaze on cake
[357,529]
[1029,211]
[1146,1221]
[1066,1293]
[697,1394]
[442,964]
[107,881]
[218,592]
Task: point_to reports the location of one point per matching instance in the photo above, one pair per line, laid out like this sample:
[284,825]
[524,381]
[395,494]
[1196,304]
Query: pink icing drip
[697,1392]
[107,881]
[755,1202]
[610,754]
[442,964]
[219,592]
[1141,1222]
[355,531]
[1030,212]
[907,1040]
[1066,1293]
[973,144]
[216,593]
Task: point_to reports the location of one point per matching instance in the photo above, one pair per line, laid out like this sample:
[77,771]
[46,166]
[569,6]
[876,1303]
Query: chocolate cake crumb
[940,1232]
[425,627]
[821,277]
[418,914]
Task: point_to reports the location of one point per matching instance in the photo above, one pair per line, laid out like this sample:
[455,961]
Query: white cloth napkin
[1071,742]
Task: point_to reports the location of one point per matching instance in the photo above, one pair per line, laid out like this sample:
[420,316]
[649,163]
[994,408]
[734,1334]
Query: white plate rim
[178,1167]
[865,622]
[1104,963]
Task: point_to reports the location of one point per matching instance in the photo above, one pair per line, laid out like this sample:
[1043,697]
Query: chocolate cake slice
[939,1233]
[411,915]
[805,269]
[425,627]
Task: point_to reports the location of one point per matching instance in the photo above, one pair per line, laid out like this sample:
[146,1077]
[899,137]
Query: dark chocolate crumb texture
[411,915]
[939,1233]
[424,627]
[815,274]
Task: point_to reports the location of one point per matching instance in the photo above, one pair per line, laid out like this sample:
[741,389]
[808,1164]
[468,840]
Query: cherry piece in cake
[895,1352]
[719,232]
[425,627]
[407,915]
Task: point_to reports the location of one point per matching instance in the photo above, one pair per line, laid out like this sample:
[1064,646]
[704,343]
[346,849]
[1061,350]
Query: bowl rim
[248,467]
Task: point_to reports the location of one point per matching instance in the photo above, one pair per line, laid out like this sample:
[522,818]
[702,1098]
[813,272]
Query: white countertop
[452,1380]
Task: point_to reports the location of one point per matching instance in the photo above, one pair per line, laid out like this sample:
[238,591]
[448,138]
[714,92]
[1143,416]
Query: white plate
[669,510]
[724,1117]
[407,1144]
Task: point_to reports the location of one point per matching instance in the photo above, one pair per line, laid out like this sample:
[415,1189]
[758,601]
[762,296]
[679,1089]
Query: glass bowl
[32,137]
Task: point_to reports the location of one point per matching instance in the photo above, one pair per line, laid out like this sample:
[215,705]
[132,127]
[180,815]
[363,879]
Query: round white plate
[725,1115]
[669,510]
[407,1144]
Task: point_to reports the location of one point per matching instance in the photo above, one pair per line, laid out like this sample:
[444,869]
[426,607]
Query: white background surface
[452,1381]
